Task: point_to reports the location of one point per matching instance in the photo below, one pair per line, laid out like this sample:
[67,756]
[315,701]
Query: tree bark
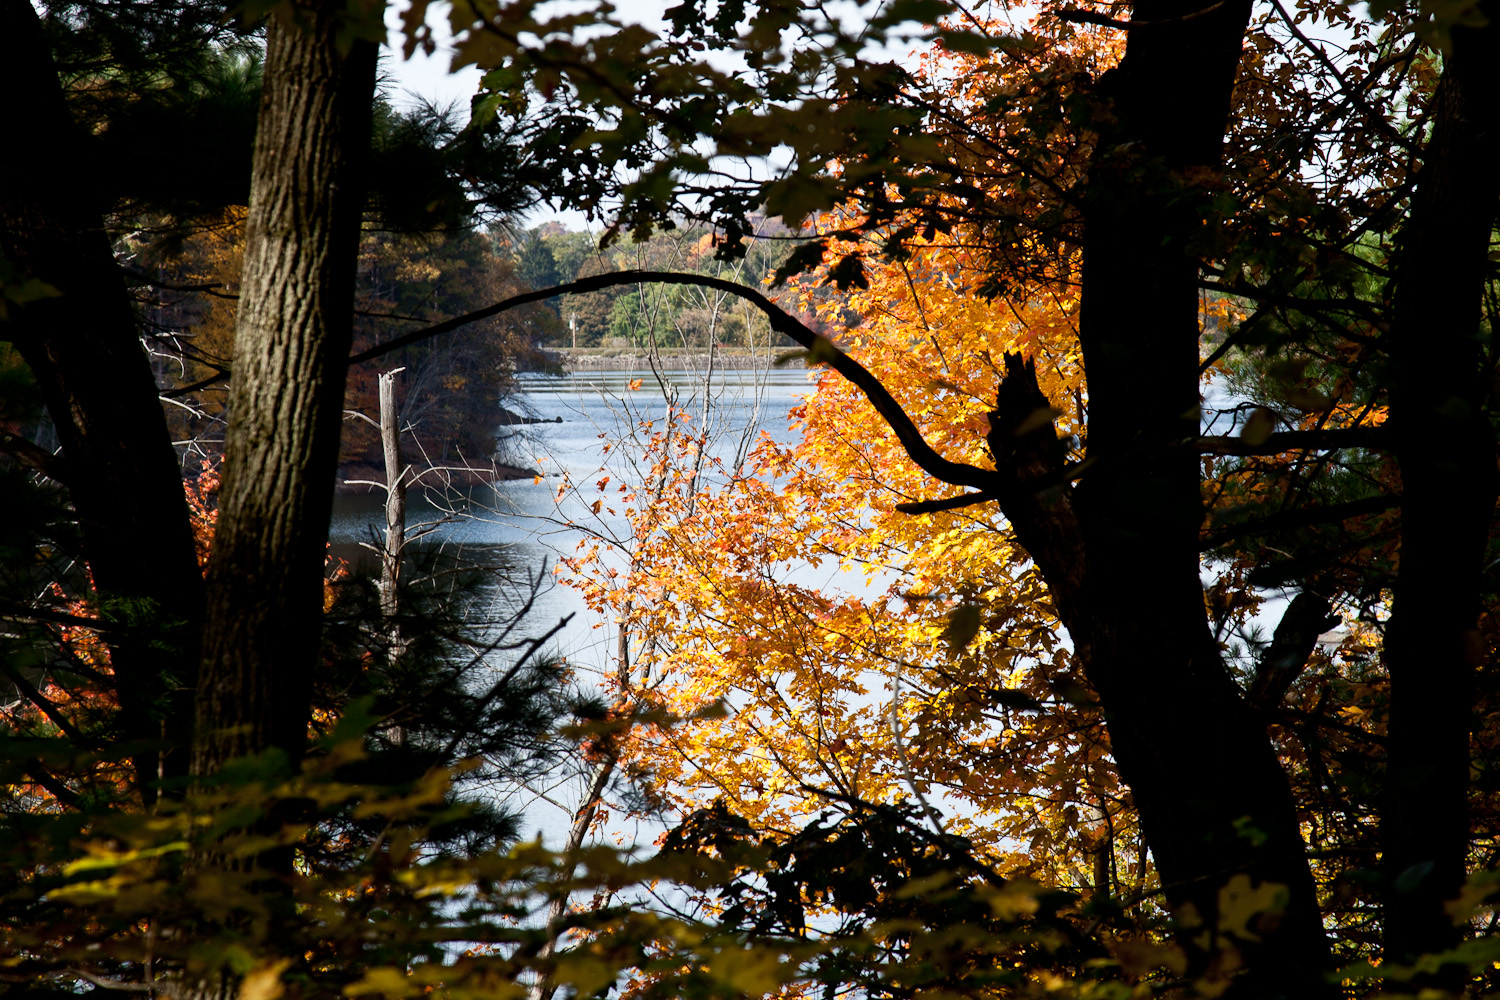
[1445,448]
[265,579]
[84,348]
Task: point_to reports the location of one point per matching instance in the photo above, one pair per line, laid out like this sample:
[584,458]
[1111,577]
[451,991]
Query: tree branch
[1090,17]
[820,348]
[1301,518]
[48,708]
[25,614]
[211,287]
[38,458]
[220,374]
[950,503]
[1307,617]
[53,784]
[1275,444]
[109,984]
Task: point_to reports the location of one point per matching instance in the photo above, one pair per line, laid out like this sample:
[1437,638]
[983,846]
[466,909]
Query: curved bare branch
[820,349]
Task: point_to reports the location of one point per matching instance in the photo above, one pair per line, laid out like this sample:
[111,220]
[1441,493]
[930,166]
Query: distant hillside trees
[453,387]
[535,265]
[676,316]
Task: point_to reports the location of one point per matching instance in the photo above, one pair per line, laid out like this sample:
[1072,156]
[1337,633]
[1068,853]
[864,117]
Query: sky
[425,77]
[429,78]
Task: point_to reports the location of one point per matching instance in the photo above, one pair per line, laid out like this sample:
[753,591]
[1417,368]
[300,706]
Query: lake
[519,524]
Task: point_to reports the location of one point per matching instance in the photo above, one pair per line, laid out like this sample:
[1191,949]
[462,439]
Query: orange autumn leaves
[826,625]
[802,644]
[792,593]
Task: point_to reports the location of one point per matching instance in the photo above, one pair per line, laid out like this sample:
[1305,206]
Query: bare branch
[355,414]
[53,784]
[1307,617]
[820,348]
[29,615]
[108,984]
[1090,17]
[220,374]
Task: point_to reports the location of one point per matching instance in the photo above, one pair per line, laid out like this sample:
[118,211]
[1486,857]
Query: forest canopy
[1155,406]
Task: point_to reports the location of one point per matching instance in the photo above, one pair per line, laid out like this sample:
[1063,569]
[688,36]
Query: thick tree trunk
[293,334]
[1121,552]
[1446,450]
[84,348]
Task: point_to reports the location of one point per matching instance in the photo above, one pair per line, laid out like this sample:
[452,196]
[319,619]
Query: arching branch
[52,466]
[820,349]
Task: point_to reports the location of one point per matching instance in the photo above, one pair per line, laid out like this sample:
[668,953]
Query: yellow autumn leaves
[796,595]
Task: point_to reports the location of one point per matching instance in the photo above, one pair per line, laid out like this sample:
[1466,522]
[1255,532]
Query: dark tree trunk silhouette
[1213,799]
[83,346]
[1445,447]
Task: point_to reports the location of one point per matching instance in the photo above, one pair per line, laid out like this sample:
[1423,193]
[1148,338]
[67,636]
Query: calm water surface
[519,525]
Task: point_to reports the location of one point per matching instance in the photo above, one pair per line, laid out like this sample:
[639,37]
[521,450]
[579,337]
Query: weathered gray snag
[395,512]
